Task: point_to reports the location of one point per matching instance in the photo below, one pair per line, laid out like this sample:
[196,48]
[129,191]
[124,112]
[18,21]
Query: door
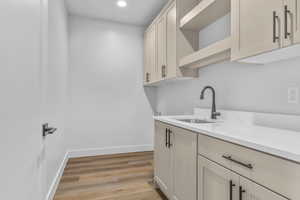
[249,190]
[161,47]
[21,144]
[216,182]
[259,26]
[171,60]
[291,32]
[162,158]
[184,154]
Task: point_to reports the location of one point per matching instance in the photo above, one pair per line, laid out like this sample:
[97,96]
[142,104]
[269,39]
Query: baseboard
[54,185]
[92,152]
[109,150]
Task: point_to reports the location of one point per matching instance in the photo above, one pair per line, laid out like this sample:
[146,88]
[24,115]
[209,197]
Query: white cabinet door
[184,149]
[162,159]
[147,68]
[249,190]
[151,52]
[161,48]
[216,182]
[257,27]
[171,60]
[297,17]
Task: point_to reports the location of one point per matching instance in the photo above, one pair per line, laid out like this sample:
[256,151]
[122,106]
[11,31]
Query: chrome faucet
[214,112]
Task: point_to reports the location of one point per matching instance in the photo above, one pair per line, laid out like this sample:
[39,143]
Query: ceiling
[138,12]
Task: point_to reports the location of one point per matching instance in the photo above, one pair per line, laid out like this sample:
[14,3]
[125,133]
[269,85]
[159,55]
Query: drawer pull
[249,166]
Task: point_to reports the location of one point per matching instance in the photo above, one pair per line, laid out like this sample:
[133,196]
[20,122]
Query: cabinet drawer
[277,174]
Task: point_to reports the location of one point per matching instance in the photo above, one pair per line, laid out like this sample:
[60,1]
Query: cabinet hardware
[242,191]
[286,13]
[275,18]
[166,138]
[147,77]
[249,166]
[163,71]
[231,185]
[169,136]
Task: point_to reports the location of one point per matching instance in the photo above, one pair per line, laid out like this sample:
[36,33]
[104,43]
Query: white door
[184,156]
[216,182]
[21,144]
[162,159]
[249,190]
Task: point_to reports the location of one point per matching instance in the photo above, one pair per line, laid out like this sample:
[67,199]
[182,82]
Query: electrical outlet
[293,95]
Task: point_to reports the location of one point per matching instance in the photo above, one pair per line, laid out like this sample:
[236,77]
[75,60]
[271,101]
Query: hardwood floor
[110,177]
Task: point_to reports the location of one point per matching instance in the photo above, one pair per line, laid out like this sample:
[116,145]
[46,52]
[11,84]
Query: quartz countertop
[278,142]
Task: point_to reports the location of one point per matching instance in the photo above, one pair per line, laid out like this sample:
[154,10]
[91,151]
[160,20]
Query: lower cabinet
[218,183]
[162,159]
[175,161]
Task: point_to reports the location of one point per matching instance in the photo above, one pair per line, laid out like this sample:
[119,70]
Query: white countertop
[279,142]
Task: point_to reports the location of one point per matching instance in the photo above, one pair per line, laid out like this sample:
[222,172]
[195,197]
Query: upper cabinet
[261,30]
[257,27]
[162,51]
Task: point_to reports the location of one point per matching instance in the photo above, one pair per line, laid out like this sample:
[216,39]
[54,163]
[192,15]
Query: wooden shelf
[217,52]
[206,12]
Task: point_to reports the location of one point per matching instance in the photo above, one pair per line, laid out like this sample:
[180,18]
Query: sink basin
[196,121]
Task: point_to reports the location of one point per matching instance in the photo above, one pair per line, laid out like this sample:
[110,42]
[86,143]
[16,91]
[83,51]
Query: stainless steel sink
[196,121]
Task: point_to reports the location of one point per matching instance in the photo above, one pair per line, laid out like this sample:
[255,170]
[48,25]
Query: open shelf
[206,12]
[217,52]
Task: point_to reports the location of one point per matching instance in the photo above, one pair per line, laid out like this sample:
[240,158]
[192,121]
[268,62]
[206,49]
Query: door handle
[286,13]
[275,18]
[231,185]
[48,130]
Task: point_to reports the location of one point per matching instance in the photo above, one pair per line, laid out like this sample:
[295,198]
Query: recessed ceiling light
[122,3]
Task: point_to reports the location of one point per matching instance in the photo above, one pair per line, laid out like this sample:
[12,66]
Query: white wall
[55,92]
[108,104]
[261,88]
